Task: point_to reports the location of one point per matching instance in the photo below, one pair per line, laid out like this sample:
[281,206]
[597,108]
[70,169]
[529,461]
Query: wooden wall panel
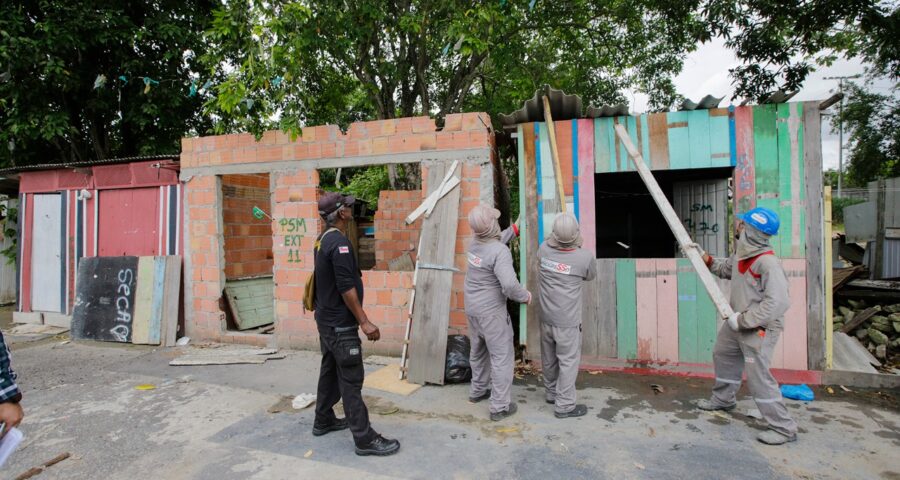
[666,310]
[626,309]
[766,172]
[587,216]
[818,262]
[679,140]
[794,339]
[533,332]
[745,168]
[657,124]
[524,230]
[603,154]
[720,154]
[645,286]
[790,174]
[698,136]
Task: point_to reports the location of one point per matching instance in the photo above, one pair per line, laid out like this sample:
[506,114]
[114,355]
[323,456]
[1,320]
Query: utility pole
[841,79]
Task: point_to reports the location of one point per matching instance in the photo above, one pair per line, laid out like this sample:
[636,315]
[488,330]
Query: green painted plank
[156,308]
[698,135]
[786,152]
[679,140]
[707,323]
[687,312]
[719,138]
[523,238]
[765,144]
[602,156]
[801,179]
[626,308]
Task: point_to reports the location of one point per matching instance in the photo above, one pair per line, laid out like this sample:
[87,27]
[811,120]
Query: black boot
[337,424]
[379,446]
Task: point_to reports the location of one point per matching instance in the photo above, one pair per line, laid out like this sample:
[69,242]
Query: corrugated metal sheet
[619,110]
[705,103]
[87,163]
[891,261]
[562,106]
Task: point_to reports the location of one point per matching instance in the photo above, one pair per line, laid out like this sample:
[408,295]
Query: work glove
[733,321]
[692,245]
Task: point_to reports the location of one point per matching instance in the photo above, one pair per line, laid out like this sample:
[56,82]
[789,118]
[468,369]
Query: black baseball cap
[331,201]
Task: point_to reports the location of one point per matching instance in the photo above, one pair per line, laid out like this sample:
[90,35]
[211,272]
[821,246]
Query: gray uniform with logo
[490,280]
[562,275]
[759,292]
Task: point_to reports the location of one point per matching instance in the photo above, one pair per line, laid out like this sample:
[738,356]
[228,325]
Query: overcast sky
[706,72]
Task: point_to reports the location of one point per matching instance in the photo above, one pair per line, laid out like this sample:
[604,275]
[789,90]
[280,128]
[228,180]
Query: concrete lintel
[476,155]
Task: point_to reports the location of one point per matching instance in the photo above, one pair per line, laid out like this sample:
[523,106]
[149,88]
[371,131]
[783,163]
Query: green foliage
[872,121]
[8,219]
[780,42]
[364,183]
[838,205]
[341,61]
[51,54]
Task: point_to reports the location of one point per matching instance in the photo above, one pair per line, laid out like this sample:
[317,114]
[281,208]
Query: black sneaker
[380,446]
[578,411]
[338,424]
[497,416]
[551,402]
[484,396]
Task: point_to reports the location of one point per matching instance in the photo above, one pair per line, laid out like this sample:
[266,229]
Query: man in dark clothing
[339,314]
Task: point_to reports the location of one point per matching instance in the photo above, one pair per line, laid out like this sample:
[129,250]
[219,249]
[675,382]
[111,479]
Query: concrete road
[233,422]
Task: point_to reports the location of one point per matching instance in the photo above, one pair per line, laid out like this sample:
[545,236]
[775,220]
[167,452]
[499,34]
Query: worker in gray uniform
[564,267]
[759,297]
[490,280]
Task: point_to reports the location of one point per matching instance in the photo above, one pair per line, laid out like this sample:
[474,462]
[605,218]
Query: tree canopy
[82,80]
[94,79]
[872,121]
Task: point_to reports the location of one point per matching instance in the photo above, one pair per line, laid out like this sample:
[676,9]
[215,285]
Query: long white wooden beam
[684,239]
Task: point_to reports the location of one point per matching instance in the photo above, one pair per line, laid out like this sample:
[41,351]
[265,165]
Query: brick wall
[393,237]
[294,189]
[248,240]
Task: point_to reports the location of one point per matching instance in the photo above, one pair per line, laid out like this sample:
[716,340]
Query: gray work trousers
[492,359]
[560,358]
[732,353]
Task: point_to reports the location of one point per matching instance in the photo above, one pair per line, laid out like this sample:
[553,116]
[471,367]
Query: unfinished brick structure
[393,237]
[248,240]
[292,168]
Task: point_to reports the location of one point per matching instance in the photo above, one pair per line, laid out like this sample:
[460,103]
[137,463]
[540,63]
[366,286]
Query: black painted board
[105,288]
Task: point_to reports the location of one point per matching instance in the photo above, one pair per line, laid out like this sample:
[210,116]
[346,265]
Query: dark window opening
[630,225]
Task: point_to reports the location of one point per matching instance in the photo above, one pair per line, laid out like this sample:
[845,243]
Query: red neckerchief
[745,264]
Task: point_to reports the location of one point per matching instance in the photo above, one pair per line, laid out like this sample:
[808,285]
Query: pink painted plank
[564,147]
[794,337]
[667,310]
[587,218]
[645,284]
[744,171]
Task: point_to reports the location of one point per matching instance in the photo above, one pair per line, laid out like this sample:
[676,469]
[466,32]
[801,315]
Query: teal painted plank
[645,139]
[791,187]
[614,165]
[602,155]
[698,135]
[687,312]
[630,125]
[719,138]
[801,184]
[523,237]
[626,308]
[156,308]
[679,140]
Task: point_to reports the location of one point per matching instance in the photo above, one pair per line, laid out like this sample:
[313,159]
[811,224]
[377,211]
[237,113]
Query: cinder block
[35,318]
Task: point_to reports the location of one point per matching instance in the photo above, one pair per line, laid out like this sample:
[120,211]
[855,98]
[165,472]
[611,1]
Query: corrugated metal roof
[607,111]
[562,106]
[87,163]
[705,103]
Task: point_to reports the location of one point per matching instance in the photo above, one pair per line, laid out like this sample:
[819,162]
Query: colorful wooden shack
[648,307]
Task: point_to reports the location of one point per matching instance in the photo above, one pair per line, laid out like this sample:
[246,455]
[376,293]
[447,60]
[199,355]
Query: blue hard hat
[762,219]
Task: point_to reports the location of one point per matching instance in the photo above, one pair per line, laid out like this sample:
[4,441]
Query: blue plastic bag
[798,392]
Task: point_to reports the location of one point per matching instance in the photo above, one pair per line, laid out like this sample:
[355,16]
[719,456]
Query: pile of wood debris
[869,310]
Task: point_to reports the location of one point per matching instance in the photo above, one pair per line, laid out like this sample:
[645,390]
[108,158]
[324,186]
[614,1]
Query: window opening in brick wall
[380,234]
[248,240]
[630,225]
